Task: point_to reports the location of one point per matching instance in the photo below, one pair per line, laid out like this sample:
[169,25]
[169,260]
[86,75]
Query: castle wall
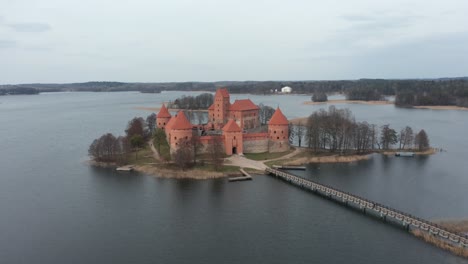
[206,141]
[255,143]
[279,146]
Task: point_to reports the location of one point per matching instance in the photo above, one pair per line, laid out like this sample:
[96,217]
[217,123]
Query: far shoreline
[383,102]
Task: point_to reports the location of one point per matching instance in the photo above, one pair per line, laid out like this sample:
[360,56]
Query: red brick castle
[236,126]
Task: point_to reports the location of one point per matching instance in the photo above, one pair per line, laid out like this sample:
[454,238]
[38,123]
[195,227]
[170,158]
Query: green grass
[267,155]
[144,156]
[163,149]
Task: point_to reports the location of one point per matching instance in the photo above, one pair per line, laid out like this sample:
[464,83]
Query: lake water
[54,208]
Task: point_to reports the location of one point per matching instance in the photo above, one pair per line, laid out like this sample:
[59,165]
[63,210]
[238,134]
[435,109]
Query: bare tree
[136,126]
[406,137]
[265,113]
[300,131]
[183,155]
[421,140]
[151,123]
[388,137]
[216,152]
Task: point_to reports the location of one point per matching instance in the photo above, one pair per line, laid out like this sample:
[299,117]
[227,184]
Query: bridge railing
[383,209]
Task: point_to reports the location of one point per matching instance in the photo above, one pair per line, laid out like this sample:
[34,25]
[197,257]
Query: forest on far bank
[407,92]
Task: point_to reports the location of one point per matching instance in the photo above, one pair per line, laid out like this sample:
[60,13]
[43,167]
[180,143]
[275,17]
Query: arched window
[277,138]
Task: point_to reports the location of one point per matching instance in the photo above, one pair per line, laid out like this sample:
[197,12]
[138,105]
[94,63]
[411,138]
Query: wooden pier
[284,167]
[369,207]
[125,168]
[246,177]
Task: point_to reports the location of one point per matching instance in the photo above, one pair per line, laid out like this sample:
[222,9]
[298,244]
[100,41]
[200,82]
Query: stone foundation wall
[255,143]
[279,146]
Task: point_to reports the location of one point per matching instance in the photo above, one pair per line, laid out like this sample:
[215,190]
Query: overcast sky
[213,40]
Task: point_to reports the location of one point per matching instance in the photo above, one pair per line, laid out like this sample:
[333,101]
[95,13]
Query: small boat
[404,154]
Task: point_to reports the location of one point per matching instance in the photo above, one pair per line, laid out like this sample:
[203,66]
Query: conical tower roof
[163,112]
[278,118]
[232,126]
[181,122]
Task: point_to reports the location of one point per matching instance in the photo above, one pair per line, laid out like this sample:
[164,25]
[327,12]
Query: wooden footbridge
[372,208]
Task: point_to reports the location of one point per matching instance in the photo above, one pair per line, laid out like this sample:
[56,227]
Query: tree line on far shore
[337,131]
[202,101]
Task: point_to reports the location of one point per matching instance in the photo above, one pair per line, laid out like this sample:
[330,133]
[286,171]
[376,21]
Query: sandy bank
[325,159]
[178,174]
[463,252]
[344,101]
[430,151]
[456,226]
[156,109]
[299,121]
[441,107]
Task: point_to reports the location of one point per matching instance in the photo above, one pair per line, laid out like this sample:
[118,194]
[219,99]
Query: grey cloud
[30,27]
[5,43]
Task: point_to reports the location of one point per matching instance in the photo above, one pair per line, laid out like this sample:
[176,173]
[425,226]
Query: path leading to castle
[244,162]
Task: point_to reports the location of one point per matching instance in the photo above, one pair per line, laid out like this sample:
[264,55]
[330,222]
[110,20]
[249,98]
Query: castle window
[186,137]
[275,132]
[234,137]
[277,138]
[175,138]
[282,132]
[164,123]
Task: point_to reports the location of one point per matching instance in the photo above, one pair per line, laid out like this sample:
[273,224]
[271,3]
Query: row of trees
[265,113]
[109,148]
[189,153]
[202,101]
[319,96]
[336,130]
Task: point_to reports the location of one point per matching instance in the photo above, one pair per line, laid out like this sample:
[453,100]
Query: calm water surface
[54,208]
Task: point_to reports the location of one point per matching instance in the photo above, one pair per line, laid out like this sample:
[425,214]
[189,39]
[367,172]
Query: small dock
[404,154]
[278,167]
[245,177]
[125,168]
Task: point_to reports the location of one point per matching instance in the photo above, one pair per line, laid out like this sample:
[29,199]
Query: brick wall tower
[180,131]
[278,128]
[163,117]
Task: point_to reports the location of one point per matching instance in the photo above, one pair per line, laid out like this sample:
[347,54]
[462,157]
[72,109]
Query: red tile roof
[170,123]
[181,122]
[278,118]
[163,113]
[223,92]
[232,126]
[243,105]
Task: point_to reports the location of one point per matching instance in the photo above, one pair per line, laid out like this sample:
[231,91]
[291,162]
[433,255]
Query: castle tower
[180,131]
[233,143]
[278,132]
[218,111]
[163,117]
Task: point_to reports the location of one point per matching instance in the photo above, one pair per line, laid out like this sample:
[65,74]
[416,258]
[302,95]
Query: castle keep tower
[278,128]
[218,112]
[163,117]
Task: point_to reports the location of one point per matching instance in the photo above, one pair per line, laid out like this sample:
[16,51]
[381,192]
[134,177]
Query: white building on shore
[286,89]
